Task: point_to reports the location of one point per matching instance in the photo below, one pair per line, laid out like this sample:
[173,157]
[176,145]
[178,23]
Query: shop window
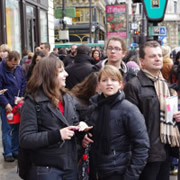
[44,26]
[13,25]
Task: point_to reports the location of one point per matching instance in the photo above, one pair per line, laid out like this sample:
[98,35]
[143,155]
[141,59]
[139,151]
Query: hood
[123,65]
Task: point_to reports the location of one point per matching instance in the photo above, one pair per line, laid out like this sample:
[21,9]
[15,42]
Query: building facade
[24,24]
[172,23]
[89,22]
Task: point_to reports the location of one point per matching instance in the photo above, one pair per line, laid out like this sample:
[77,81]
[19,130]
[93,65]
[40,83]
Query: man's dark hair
[152,44]
[13,55]
[83,49]
[46,44]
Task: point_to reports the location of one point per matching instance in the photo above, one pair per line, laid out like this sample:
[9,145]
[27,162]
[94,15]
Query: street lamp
[90,22]
[134,6]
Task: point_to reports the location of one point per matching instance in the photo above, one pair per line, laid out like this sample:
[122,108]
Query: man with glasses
[11,78]
[115,51]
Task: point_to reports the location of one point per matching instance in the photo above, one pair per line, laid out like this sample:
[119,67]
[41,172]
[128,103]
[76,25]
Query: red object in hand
[14,116]
[85,156]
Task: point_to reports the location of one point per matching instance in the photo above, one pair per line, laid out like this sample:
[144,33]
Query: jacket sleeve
[29,136]
[3,100]
[131,93]
[138,136]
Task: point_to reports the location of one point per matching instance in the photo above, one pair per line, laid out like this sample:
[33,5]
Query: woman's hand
[176,116]
[87,140]
[68,132]
[84,127]
[8,108]
[3,91]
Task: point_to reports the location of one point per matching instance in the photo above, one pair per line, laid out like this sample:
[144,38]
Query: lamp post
[90,22]
[133,11]
[134,24]
[63,14]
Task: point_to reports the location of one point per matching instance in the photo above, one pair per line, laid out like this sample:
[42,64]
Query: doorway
[31,27]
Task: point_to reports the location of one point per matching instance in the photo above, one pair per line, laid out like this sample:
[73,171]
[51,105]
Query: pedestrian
[115,50]
[36,58]
[96,55]
[119,137]
[85,89]
[11,78]
[45,48]
[149,92]
[81,68]
[69,59]
[167,62]
[4,51]
[48,131]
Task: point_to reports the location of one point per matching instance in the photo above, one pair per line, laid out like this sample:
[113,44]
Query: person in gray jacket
[119,138]
[48,123]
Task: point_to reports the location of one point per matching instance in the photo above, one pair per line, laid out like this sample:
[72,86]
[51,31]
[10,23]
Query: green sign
[155,9]
[69,12]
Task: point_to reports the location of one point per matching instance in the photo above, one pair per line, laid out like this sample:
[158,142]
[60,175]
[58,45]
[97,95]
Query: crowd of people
[120,105]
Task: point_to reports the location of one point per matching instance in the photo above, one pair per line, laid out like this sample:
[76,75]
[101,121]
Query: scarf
[102,130]
[169,132]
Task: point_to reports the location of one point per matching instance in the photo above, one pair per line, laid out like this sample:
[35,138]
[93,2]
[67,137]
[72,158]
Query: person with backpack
[48,124]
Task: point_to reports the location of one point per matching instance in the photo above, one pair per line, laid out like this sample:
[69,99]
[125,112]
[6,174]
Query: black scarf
[102,134]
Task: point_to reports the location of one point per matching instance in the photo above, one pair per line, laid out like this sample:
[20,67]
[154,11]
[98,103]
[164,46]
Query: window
[13,25]
[43,26]
[175,7]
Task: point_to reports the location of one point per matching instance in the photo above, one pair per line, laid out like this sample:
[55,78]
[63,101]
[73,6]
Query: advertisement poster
[116,20]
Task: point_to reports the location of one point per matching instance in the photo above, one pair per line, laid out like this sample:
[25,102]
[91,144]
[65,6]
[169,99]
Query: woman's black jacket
[41,134]
[129,140]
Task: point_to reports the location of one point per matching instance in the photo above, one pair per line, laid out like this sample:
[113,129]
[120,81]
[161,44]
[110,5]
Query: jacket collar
[94,99]
[144,80]
[43,98]
[123,65]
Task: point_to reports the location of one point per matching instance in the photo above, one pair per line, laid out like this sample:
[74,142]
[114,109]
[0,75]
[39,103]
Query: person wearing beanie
[167,62]
[133,69]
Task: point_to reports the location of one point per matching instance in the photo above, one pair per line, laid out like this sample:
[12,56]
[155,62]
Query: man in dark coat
[69,59]
[81,68]
[11,78]
[148,91]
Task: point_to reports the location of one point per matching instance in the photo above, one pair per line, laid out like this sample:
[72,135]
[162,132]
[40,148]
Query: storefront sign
[116,20]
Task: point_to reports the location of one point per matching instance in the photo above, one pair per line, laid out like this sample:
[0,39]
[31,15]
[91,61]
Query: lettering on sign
[155,3]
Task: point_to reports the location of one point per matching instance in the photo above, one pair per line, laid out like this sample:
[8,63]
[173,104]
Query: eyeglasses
[114,48]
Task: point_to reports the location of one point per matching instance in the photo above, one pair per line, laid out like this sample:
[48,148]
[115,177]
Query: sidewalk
[7,170]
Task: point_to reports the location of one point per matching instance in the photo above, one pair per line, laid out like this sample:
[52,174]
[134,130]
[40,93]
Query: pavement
[8,171]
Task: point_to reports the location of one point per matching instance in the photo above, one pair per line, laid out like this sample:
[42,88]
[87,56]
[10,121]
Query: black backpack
[24,155]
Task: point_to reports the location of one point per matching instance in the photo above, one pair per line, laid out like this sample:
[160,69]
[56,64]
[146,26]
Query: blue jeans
[10,135]
[50,173]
